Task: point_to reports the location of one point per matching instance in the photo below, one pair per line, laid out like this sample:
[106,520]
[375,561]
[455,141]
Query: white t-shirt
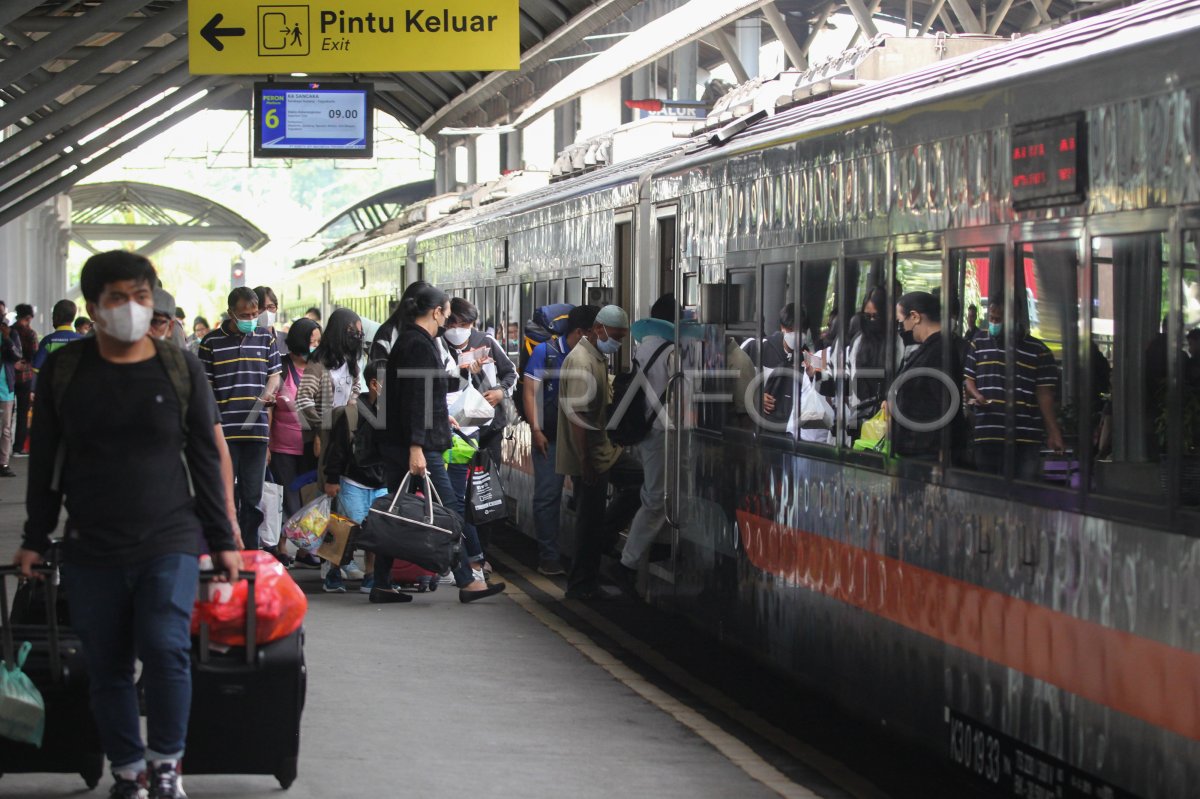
[343,385]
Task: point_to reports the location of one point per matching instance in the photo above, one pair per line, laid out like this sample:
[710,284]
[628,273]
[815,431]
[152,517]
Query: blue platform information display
[312,120]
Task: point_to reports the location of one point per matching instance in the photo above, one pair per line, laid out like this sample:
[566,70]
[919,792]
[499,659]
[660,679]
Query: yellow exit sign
[233,37]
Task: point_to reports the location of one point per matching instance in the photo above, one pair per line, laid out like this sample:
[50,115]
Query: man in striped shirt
[242,364]
[1035,417]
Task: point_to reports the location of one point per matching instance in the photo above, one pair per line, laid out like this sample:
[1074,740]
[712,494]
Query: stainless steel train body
[1044,635]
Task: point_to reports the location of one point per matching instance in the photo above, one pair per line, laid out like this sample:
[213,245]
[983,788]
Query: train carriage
[1041,629]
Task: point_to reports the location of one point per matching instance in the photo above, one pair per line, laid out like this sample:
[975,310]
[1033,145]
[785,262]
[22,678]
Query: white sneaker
[353,571]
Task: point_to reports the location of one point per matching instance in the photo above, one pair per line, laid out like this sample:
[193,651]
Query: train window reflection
[1130,315]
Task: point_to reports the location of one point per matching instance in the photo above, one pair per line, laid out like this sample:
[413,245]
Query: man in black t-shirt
[113,408]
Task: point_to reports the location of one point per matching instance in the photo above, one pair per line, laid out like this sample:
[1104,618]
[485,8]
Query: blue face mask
[246,326]
[994,328]
[608,346]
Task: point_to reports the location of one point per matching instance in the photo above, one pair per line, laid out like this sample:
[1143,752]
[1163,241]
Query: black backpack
[628,421]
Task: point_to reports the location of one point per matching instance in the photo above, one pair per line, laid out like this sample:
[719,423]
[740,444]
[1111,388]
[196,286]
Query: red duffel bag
[279,604]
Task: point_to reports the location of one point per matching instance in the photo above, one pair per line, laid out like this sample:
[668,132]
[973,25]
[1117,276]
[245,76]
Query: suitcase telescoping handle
[206,576]
[430,495]
[52,577]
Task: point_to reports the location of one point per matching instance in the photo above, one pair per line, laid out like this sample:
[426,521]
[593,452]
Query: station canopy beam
[155,216]
[548,79]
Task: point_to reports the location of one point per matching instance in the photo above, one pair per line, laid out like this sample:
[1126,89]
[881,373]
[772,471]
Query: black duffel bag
[413,527]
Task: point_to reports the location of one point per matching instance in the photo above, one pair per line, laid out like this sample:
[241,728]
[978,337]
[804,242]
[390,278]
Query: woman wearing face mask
[922,398]
[418,428]
[867,358]
[490,371]
[331,380]
[291,446]
[779,354]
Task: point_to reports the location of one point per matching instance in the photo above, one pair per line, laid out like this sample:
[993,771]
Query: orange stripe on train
[1149,680]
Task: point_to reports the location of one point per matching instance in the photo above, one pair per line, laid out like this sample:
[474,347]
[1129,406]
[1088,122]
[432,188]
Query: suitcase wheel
[286,774]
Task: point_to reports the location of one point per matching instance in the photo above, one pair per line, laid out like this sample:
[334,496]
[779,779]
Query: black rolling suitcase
[246,704]
[71,744]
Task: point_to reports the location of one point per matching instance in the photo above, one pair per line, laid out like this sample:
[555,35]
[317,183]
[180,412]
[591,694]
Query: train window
[575,290]
[666,254]
[1130,315]
[976,277]
[818,294]
[1189,426]
[919,399]
[556,292]
[541,293]
[691,290]
[524,314]
[866,329]
[768,348]
[741,298]
[511,329]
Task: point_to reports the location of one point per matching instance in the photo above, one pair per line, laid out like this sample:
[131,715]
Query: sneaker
[384,595]
[128,789]
[353,571]
[551,567]
[306,560]
[20,454]
[334,584]
[368,584]
[165,782]
[7,472]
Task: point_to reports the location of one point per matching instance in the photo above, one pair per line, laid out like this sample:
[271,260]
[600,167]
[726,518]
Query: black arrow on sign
[211,32]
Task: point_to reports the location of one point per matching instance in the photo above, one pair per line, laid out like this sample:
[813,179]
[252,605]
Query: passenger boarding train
[1044,635]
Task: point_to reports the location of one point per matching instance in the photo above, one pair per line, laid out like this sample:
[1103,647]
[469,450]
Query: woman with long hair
[867,357]
[331,381]
[418,428]
[387,334]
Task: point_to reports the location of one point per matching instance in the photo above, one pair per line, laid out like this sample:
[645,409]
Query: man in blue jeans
[241,361]
[540,398]
[114,413]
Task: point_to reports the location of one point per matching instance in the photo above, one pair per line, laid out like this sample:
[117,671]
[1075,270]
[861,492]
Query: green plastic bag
[462,449]
[22,709]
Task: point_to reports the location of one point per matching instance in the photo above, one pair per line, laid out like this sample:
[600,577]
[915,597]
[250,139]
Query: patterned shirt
[1035,368]
[238,367]
[56,340]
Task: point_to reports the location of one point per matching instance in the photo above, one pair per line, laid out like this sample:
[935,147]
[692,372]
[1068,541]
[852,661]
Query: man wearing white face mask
[114,413]
[243,366]
[588,457]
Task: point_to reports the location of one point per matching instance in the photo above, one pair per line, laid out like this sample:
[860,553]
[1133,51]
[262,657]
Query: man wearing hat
[586,454]
[163,324]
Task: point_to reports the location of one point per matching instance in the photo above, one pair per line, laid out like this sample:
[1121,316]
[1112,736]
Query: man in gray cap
[588,456]
[163,324]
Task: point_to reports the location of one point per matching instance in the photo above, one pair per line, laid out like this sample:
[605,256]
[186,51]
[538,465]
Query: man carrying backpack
[654,357]
[114,414]
[540,401]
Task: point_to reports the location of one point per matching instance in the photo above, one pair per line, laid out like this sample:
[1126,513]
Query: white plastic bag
[815,410]
[271,507]
[470,409]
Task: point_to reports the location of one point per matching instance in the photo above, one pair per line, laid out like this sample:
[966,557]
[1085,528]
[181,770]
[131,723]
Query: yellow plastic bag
[874,431]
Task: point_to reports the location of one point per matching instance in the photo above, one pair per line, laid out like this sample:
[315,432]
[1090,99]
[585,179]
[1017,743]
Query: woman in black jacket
[924,401]
[418,427]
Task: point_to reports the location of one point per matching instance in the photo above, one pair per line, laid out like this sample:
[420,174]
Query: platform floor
[437,698]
